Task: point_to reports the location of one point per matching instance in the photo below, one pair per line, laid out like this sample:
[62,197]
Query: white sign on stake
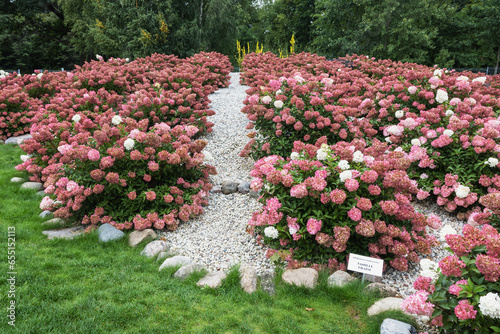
[365,264]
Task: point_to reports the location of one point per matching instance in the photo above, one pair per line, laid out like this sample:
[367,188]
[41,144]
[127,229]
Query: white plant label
[365,264]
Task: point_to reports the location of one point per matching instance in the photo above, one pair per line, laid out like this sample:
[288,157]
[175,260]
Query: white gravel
[218,238]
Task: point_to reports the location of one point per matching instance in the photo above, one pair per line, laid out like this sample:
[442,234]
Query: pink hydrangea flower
[355,214]
[313,226]
[418,304]
[464,310]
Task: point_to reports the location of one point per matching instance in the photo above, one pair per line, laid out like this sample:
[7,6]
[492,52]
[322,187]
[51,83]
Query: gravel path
[218,238]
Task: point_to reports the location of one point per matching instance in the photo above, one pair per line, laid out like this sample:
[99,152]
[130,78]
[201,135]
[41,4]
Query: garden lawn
[84,286]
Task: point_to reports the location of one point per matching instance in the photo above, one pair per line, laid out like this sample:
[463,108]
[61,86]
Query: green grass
[84,286]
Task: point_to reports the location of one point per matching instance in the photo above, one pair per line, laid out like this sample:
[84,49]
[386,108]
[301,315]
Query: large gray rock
[212,280]
[163,255]
[17,140]
[306,277]
[384,289]
[267,282]
[67,233]
[175,261]
[32,185]
[248,278]
[340,278]
[108,232]
[244,187]
[54,222]
[386,304]
[46,214]
[229,187]
[254,194]
[217,189]
[17,179]
[185,271]
[391,326]
[154,247]
[136,237]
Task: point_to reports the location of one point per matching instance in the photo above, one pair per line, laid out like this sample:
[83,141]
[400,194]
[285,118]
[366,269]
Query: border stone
[108,232]
[67,233]
[175,261]
[17,140]
[384,289]
[136,237]
[340,278]
[185,271]
[154,247]
[212,280]
[32,185]
[306,277]
[267,282]
[392,326]
[248,278]
[54,222]
[17,179]
[386,304]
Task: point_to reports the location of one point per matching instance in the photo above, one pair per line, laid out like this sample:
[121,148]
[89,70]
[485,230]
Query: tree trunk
[498,60]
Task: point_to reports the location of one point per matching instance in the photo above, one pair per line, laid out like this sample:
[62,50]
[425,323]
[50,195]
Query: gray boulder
[229,187]
[244,187]
[212,280]
[67,233]
[154,247]
[108,232]
[175,261]
[185,271]
[17,140]
[217,189]
[17,179]
[136,237]
[384,289]
[32,185]
[254,194]
[386,304]
[248,278]
[391,326]
[306,277]
[340,278]
[46,214]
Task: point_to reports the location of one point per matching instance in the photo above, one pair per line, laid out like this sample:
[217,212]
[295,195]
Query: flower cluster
[462,289]
[356,208]
[117,131]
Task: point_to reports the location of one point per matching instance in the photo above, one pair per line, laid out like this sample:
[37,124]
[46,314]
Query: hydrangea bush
[116,141]
[461,293]
[325,202]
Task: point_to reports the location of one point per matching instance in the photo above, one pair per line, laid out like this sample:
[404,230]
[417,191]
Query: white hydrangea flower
[463,78]
[321,154]
[278,92]
[387,139]
[25,157]
[416,142]
[412,89]
[345,175]
[480,79]
[438,73]
[76,118]
[445,230]
[292,230]
[357,156]
[294,156]
[271,232]
[399,113]
[448,132]
[129,144]
[462,191]
[424,176]
[449,113]
[266,99]
[127,59]
[492,162]
[278,104]
[489,305]
[344,164]
[441,96]
[116,120]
